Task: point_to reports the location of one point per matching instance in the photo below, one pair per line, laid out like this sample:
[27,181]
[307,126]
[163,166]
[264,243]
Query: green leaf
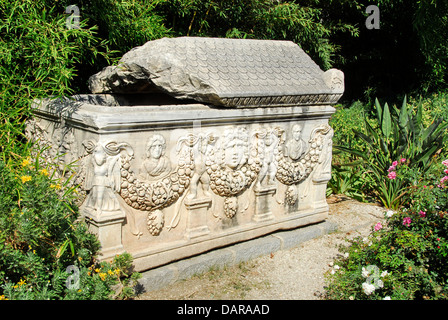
[386,124]
[403,117]
[379,110]
[352,151]
[62,249]
[419,115]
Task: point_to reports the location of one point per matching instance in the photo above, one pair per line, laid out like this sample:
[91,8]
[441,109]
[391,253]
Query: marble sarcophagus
[190,144]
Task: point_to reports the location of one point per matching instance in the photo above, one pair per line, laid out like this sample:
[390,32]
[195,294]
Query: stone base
[197,217]
[263,203]
[152,257]
[107,226]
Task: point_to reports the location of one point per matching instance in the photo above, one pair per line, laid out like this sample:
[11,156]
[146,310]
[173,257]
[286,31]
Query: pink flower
[407,221]
[443,179]
[378,226]
[403,160]
[422,214]
[395,163]
[446,171]
[392,175]
[391,168]
[445,162]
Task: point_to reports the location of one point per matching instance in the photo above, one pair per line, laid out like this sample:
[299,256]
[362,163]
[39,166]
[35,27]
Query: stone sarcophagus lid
[191,144]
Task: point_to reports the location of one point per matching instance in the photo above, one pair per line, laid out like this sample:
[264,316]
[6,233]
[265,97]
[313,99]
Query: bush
[42,236]
[38,58]
[403,259]
[396,134]
[346,178]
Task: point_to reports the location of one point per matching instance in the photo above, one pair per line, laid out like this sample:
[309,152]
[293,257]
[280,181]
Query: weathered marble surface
[224,72]
[166,178]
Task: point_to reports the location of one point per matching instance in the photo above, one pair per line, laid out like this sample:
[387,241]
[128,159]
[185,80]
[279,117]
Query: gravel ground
[293,274]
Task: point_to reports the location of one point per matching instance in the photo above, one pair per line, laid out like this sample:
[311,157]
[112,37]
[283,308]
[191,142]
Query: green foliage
[398,134]
[434,106]
[411,247]
[344,121]
[42,235]
[125,24]
[38,58]
[348,180]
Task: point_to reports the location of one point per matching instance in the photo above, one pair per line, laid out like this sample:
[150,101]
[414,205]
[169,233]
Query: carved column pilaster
[197,217]
[263,203]
[107,227]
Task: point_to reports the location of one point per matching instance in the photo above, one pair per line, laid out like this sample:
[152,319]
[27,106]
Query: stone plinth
[177,154]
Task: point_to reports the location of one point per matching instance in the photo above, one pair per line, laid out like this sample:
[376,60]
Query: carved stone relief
[268,142]
[232,167]
[202,145]
[295,163]
[227,164]
[56,146]
[156,164]
[103,177]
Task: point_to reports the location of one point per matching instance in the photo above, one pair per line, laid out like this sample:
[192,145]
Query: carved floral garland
[153,196]
[229,183]
[293,172]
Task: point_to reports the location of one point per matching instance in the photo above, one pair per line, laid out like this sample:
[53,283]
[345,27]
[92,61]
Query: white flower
[336,267]
[351,298]
[379,284]
[368,288]
[346,255]
[386,298]
[365,273]
[389,213]
[332,271]
[384,274]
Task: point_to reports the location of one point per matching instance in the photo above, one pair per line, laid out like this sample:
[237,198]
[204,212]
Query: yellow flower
[44,172]
[55,186]
[26,162]
[117,271]
[103,275]
[25,178]
[2,297]
[110,272]
[21,282]
[97,270]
